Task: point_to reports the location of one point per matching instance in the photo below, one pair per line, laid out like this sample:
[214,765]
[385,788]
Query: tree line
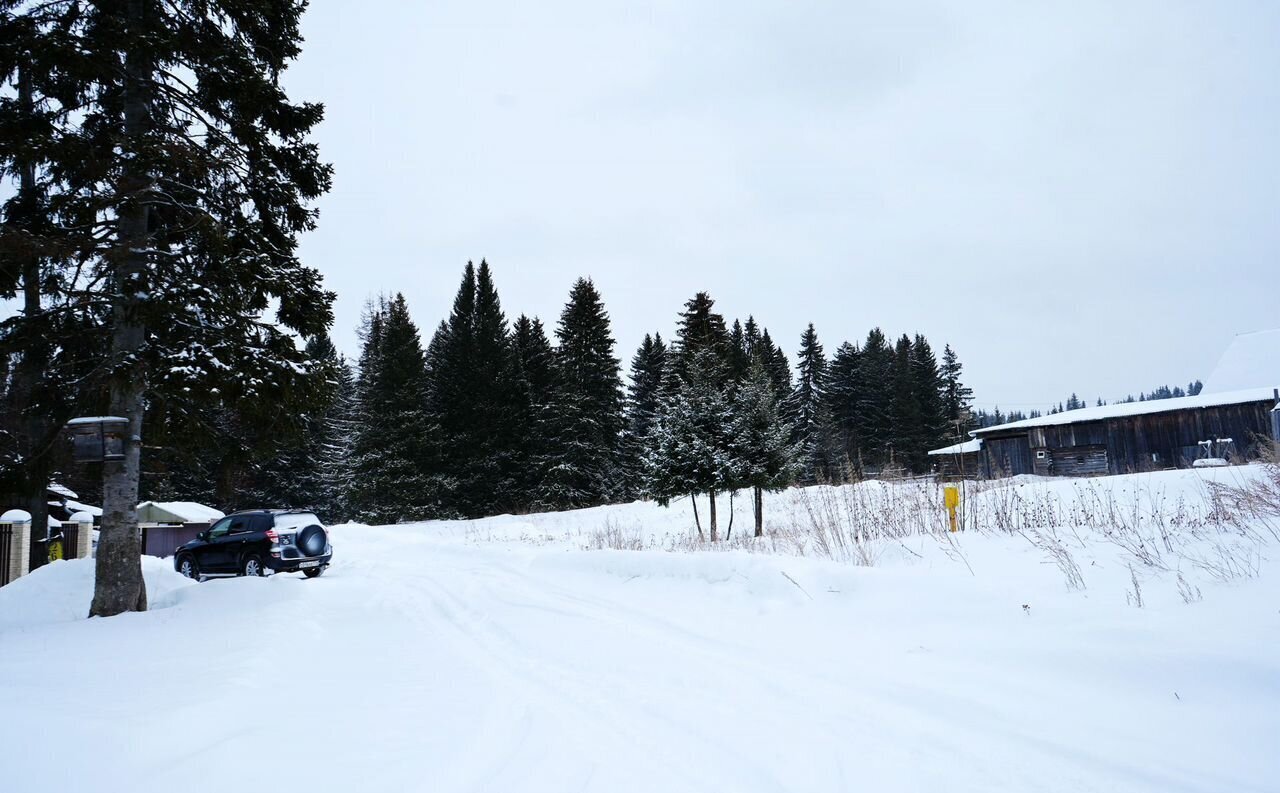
[490,415]
[983,418]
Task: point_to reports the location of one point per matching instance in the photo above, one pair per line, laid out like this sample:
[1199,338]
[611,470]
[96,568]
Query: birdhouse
[97,439]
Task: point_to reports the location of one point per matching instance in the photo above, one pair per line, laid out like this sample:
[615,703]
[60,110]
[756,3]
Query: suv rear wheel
[253,566]
[313,572]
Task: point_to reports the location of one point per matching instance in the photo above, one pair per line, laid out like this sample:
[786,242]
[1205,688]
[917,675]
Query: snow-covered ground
[508,655]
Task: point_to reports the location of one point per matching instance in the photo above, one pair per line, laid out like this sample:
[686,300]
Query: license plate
[305,565]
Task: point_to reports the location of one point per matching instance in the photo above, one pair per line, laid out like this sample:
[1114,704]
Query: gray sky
[1078,197]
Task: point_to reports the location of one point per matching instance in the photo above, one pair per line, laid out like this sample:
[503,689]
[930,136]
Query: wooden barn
[1133,436]
[958,461]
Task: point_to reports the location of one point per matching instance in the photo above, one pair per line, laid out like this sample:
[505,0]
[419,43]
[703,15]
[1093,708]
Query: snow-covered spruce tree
[644,398]
[532,378]
[760,441]
[584,426]
[690,449]
[181,177]
[394,461]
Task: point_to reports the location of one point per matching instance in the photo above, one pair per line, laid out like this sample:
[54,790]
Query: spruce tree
[807,409]
[396,471]
[762,451]
[690,450]
[956,396]
[930,389]
[738,353]
[905,415]
[179,178]
[873,408]
[843,397]
[644,399]
[775,363]
[701,328]
[532,378]
[584,426]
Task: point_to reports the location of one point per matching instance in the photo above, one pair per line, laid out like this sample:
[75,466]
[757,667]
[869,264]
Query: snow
[94,420]
[16,516]
[296,520]
[62,490]
[176,512]
[967,447]
[1252,360]
[1201,400]
[500,655]
[77,507]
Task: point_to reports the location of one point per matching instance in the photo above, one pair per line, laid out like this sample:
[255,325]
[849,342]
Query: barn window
[1080,459]
[1040,454]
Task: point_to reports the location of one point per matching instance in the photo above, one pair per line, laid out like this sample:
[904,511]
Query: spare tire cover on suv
[311,540]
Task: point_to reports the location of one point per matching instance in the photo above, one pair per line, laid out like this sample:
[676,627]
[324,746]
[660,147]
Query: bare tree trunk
[712,494]
[729,531]
[693,497]
[758,498]
[118,583]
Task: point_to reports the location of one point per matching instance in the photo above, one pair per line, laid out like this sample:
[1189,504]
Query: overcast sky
[1083,197]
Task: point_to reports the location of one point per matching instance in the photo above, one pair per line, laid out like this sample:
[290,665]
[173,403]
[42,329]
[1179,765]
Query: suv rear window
[293,521]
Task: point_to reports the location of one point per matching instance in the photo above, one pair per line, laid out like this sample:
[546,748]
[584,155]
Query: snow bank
[61,591]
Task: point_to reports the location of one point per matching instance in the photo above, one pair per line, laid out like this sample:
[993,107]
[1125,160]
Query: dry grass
[1220,531]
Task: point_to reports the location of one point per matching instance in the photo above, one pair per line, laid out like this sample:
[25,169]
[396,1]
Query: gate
[70,540]
[6,549]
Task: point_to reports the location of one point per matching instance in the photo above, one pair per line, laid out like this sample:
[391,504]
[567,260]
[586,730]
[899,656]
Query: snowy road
[421,662]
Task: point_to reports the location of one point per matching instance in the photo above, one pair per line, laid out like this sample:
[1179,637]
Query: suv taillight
[271,535]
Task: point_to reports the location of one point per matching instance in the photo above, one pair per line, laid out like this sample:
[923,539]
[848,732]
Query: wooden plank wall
[1008,456]
[1127,444]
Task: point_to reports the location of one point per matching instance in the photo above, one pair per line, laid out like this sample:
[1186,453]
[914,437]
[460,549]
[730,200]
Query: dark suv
[256,543]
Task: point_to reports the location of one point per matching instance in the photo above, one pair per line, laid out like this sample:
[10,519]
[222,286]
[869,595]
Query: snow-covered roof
[1252,360]
[94,420]
[77,507]
[62,490]
[176,512]
[1118,410]
[967,447]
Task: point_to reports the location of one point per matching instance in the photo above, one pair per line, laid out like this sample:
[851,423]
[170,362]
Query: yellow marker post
[55,550]
[951,498]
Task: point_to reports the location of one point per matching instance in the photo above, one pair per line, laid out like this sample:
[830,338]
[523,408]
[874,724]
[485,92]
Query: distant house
[1236,410]
[176,512]
[168,524]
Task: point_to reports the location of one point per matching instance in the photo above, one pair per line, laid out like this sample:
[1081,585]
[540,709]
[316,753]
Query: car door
[245,529]
[212,555]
